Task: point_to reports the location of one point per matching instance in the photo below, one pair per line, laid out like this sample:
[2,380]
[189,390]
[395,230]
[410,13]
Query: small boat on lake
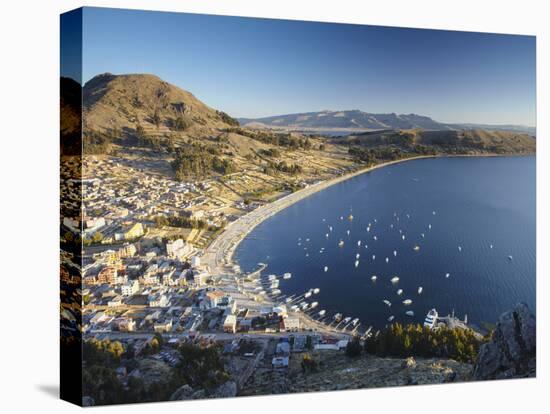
[307,294]
[395,253]
[391,318]
[394,279]
[357,256]
[409,313]
[341,243]
[357,263]
[373,278]
[420,288]
[316,291]
[400,291]
[326,269]
[322,312]
[447,275]
[459,248]
[387,302]
[416,248]
[387,259]
[337,317]
[510,258]
[287,276]
[407,302]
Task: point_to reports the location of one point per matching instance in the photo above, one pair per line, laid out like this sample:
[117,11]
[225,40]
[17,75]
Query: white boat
[459,248]
[391,318]
[407,302]
[287,276]
[307,294]
[348,232]
[422,235]
[510,258]
[271,277]
[433,212]
[399,292]
[416,248]
[429,226]
[373,278]
[431,319]
[304,305]
[368,229]
[347,319]
[275,292]
[355,321]
[491,246]
[288,300]
[294,308]
[307,240]
[375,238]
[329,228]
[447,275]
[403,237]
[373,256]
[359,243]
[326,235]
[394,279]
[337,317]
[357,256]
[387,302]
[314,305]
[326,268]
[341,217]
[340,243]
[357,263]
[316,291]
[409,313]
[322,312]
[420,288]
[395,253]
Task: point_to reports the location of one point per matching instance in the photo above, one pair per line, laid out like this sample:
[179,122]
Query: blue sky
[261,67]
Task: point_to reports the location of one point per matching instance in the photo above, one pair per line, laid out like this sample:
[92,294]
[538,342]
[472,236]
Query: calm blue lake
[481,211]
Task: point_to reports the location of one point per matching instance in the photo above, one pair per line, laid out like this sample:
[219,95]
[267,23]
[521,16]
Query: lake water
[478,202]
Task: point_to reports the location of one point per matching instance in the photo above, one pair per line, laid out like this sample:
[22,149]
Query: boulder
[511,352]
[182,393]
[226,390]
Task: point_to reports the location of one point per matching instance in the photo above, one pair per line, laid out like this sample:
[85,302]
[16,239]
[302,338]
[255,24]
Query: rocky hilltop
[126,101]
[511,353]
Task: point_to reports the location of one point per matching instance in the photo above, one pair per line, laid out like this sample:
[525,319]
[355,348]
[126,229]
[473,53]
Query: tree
[353,348]
[97,237]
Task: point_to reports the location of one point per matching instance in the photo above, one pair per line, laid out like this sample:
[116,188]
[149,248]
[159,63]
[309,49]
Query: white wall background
[29,203]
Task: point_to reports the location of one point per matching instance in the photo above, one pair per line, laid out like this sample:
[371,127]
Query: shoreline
[219,255]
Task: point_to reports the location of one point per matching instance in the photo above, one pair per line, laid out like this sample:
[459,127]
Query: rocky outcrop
[226,390]
[182,393]
[511,353]
[186,392]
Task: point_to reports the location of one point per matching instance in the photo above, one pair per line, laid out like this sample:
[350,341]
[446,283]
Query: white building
[178,248]
[130,288]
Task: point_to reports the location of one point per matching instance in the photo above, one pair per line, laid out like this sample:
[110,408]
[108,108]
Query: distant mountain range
[359,120]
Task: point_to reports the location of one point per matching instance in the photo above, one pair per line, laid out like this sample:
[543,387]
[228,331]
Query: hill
[356,120]
[352,119]
[475,141]
[125,102]
[70,106]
